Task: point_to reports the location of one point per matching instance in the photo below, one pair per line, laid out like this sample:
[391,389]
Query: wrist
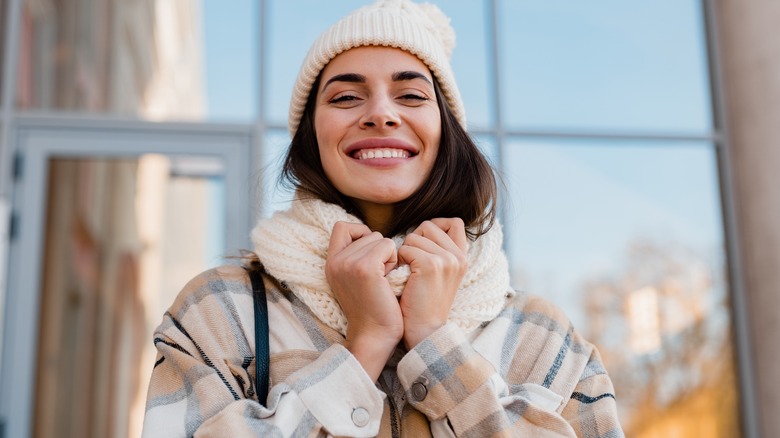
[414,334]
[371,352]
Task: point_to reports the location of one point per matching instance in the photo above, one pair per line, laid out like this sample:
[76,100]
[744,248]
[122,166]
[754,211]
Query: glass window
[626,237]
[186,60]
[489,147]
[231,54]
[275,197]
[288,46]
[122,237]
[470,59]
[605,64]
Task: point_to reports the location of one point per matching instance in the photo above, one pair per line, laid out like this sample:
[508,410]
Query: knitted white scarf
[292,246]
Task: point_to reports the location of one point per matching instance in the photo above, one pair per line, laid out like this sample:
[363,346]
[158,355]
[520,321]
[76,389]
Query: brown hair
[461,184]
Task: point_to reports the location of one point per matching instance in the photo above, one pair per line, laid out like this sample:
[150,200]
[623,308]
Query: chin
[385,198]
[392,198]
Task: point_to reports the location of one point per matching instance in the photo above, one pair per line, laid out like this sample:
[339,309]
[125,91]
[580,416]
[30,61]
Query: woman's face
[378,125]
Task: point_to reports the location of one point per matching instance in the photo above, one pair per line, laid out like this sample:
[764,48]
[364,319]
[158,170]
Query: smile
[366,154]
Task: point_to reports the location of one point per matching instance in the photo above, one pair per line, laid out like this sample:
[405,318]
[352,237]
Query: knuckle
[411,238]
[439,264]
[363,270]
[426,225]
[452,260]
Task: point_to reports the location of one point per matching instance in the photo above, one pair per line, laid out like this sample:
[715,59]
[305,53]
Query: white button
[360,417]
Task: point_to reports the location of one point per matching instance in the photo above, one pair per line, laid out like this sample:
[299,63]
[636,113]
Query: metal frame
[260,127]
[43,137]
[749,410]
[11,29]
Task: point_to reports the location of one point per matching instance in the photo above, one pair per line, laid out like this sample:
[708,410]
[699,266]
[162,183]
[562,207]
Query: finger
[368,255]
[369,250]
[429,244]
[430,254]
[410,255]
[430,230]
[455,229]
[344,233]
[392,262]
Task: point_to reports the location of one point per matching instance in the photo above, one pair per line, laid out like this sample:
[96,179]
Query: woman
[390,310]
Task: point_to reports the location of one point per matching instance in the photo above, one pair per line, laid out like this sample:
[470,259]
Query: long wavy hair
[461,184]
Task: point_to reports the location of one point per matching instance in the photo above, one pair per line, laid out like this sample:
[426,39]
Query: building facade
[140,140]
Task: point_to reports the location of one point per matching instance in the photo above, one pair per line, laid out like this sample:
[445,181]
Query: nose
[380,113]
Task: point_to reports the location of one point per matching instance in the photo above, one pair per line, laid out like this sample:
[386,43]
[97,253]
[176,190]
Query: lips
[374,148]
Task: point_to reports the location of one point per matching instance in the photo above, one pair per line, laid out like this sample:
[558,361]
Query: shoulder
[552,322]
[537,310]
[215,287]
[221,274]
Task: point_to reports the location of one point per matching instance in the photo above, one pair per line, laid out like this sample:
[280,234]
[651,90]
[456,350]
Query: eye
[414,99]
[343,99]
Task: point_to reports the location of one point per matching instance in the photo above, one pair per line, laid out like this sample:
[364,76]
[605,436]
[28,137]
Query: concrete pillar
[749,39]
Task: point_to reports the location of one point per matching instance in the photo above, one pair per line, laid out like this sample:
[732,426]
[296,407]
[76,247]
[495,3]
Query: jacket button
[419,391]
[360,417]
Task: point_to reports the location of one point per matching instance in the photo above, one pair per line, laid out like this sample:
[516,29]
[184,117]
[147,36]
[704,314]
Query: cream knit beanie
[420,29]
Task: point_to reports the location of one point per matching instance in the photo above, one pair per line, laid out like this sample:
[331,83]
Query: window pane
[470,59]
[604,64]
[165,60]
[627,239]
[275,197]
[288,46]
[489,147]
[122,237]
[231,55]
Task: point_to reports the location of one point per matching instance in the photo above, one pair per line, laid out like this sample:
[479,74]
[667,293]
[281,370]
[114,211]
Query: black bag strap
[262,354]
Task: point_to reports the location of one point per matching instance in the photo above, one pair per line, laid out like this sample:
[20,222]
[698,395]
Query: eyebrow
[360,79]
[409,75]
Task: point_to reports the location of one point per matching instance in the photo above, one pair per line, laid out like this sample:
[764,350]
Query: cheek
[325,140]
[327,159]
[431,132]
[328,129]
[430,125]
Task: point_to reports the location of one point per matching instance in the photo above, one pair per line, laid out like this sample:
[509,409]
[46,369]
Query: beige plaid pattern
[526,373]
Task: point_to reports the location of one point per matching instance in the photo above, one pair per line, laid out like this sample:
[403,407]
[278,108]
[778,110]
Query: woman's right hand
[358,260]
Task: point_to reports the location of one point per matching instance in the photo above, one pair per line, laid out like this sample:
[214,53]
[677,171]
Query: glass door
[111,222]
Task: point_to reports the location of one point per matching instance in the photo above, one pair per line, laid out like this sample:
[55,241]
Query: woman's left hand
[436,254]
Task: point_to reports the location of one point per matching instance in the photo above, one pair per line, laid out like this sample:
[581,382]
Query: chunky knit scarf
[292,246]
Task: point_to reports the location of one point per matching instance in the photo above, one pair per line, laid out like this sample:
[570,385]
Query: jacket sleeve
[463,394]
[203,382]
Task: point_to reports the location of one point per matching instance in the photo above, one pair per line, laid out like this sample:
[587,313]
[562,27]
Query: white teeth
[382,153]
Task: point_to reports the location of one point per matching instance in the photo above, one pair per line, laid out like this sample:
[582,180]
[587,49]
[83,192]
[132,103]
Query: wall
[750,62]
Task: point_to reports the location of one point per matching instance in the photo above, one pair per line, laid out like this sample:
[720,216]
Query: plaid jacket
[526,373]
